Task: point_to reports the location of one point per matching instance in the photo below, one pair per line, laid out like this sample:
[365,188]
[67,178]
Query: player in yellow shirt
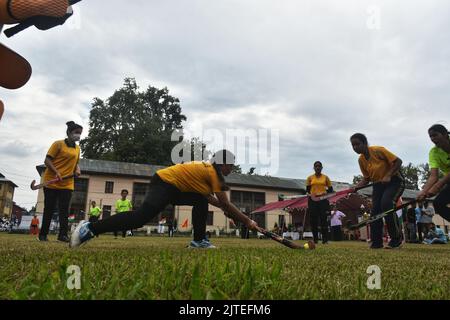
[61,162]
[319,184]
[439,162]
[195,184]
[380,166]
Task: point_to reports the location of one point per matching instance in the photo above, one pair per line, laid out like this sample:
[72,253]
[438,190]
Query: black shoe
[394,245]
[64,239]
[376,246]
[42,238]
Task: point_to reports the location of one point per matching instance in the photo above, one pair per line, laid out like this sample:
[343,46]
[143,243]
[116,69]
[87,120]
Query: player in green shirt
[439,161]
[95,213]
[123,205]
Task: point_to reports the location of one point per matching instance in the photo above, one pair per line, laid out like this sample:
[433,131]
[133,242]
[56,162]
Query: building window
[140,190]
[79,199]
[106,212]
[109,187]
[248,201]
[260,219]
[210,218]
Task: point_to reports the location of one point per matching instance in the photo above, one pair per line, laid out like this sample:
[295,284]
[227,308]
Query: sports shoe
[81,235]
[42,238]
[393,245]
[204,244]
[64,239]
[376,246]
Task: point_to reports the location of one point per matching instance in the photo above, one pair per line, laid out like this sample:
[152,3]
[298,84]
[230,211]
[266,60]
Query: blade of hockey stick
[286,242]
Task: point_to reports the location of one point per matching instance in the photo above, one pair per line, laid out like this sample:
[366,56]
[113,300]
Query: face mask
[76,137]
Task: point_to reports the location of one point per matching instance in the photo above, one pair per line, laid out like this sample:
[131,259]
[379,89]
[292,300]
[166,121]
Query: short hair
[124,190]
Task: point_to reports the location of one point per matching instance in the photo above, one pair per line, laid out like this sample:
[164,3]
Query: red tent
[282,205]
[298,203]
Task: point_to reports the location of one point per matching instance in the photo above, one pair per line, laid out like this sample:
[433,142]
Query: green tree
[133,126]
[237,169]
[357,179]
[411,174]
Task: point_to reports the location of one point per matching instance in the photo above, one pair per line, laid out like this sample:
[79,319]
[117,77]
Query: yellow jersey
[378,165]
[197,177]
[319,185]
[65,159]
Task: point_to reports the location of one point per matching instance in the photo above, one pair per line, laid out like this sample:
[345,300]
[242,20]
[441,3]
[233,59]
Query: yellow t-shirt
[198,177]
[65,160]
[380,162]
[319,185]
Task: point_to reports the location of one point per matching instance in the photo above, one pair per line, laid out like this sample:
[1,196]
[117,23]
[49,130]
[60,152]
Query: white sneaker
[81,234]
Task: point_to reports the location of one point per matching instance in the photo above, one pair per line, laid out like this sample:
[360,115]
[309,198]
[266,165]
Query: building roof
[102,167]
[255,181]
[145,171]
[4,180]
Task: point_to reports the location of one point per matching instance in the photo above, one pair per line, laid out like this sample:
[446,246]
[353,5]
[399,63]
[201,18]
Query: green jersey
[123,206]
[440,159]
[95,212]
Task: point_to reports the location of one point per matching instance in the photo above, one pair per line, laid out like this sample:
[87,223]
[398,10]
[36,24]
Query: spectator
[34,227]
[411,224]
[427,217]
[435,235]
[420,226]
[170,226]
[276,229]
[336,224]
[161,224]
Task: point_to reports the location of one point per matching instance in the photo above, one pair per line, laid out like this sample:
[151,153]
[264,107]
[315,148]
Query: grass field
[162,268]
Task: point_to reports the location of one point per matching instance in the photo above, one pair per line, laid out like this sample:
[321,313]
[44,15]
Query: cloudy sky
[313,72]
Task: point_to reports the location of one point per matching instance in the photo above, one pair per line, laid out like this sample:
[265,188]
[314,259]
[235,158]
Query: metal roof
[102,167]
[2,179]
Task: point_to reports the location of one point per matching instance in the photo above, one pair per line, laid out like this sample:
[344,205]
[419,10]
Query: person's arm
[53,153]
[431,182]
[364,182]
[77,171]
[233,212]
[436,188]
[49,164]
[397,164]
[329,186]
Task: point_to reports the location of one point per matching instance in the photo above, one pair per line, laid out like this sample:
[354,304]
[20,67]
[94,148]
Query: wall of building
[6,199]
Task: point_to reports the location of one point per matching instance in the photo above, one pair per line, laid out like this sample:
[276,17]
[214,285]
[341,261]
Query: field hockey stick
[340,193]
[285,242]
[293,197]
[381,215]
[45,184]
